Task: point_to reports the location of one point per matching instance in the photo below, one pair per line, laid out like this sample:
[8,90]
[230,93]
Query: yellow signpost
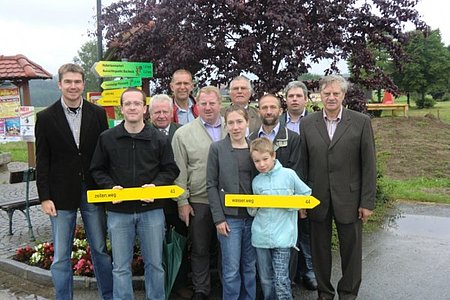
[271,201]
[138,193]
[108,101]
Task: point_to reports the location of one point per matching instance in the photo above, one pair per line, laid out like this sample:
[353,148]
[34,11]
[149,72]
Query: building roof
[20,67]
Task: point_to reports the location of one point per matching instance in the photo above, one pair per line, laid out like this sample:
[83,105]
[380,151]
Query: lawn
[441,110]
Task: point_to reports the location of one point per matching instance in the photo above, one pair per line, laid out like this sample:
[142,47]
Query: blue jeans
[238,260]
[63,227]
[273,270]
[122,229]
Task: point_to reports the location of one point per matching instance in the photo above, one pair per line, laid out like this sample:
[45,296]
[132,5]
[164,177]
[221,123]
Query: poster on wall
[16,122]
[27,123]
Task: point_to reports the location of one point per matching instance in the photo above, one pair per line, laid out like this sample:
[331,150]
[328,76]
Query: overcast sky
[50,32]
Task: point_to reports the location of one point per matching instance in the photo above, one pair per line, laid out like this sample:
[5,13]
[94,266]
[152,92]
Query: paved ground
[407,259]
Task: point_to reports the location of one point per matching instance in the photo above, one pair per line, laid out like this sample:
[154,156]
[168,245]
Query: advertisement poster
[16,122]
[9,101]
[27,123]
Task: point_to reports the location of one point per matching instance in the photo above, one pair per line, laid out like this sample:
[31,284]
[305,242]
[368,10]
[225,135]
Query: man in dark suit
[66,136]
[160,109]
[338,163]
[296,95]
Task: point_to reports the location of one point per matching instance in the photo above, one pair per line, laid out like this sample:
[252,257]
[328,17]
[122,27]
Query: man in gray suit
[338,163]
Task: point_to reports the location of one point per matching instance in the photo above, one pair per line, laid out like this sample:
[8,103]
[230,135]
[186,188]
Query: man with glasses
[134,154]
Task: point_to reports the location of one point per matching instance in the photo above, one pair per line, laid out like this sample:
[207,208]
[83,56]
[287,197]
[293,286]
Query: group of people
[209,151]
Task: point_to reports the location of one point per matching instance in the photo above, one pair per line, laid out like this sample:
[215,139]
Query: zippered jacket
[132,161]
[276,227]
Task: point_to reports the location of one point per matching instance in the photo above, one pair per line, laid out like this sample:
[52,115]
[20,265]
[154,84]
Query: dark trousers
[202,232]
[350,246]
[172,220]
[300,265]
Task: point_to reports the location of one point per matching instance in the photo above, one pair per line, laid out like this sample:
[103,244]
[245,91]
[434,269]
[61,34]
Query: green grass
[422,189]
[18,150]
[441,110]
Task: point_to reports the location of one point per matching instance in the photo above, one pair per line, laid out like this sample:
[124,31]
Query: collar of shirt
[190,104]
[289,119]
[217,124]
[271,135]
[66,108]
[339,116]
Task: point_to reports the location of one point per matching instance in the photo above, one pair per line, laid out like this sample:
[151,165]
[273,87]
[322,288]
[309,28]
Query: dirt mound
[413,147]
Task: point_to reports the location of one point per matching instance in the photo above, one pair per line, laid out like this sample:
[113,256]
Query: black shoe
[310,284]
[199,296]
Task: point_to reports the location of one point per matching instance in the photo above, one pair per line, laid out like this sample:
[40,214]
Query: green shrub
[427,102]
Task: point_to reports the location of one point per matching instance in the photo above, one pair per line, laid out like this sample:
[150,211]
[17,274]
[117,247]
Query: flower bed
[42,256]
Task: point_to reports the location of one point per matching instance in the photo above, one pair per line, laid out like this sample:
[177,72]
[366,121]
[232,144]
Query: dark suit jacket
[60,166]
[287,147]
[170,206]
[341,172]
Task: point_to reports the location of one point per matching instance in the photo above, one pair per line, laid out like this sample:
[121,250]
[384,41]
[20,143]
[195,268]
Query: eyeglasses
[134,103]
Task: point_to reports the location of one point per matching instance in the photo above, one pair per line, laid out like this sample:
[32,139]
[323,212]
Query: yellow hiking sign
[138,193]
[272,201]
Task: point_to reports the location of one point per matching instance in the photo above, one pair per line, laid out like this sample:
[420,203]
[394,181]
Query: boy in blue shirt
[274,230]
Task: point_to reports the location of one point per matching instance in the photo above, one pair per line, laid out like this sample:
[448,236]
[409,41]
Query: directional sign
[114,101]
[112,93]
[124,69]
[123,83]
[139,193]
[272,201]
[109,101]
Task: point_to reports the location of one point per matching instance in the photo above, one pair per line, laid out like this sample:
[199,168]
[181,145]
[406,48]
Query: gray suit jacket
[340,172]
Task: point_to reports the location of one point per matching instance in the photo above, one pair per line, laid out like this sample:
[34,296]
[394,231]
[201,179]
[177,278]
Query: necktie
[164,131]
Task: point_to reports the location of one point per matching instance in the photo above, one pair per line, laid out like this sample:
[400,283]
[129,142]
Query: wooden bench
[20,194]
[381,106]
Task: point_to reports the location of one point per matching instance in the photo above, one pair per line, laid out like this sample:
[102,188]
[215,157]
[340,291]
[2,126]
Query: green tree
[87,56]
[427,69]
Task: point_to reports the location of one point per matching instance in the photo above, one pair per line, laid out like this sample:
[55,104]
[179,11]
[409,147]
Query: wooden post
[27,102]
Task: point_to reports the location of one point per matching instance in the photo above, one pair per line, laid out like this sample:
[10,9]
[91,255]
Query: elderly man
[160,109]
[240,92]
[191,146]
[184,106]
[338,163]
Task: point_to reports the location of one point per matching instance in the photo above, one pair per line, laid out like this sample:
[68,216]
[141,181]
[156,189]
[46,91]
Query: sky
[50,32]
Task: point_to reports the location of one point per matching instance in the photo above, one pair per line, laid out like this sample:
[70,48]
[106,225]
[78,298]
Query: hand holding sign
[129,194]
[273,201]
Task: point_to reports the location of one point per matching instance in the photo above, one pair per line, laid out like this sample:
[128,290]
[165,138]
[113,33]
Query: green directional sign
[124,69]
[123,83]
